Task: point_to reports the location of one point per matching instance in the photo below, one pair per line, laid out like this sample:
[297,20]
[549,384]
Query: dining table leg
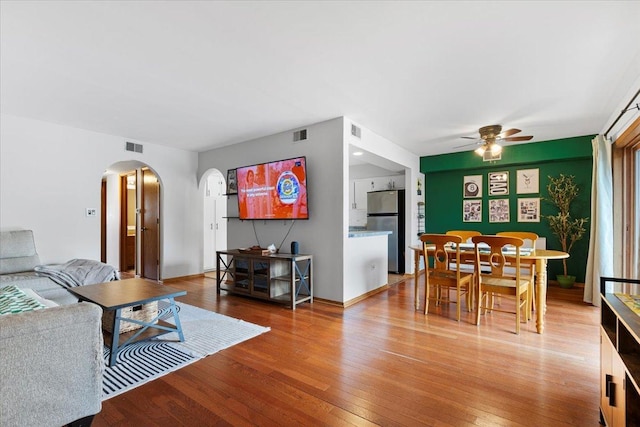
[541,293]
[416,277]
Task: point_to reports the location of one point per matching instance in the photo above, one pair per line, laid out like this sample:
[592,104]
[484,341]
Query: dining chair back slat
[466,259]
[502,251]
[442,250]
[465,235]
[527,267]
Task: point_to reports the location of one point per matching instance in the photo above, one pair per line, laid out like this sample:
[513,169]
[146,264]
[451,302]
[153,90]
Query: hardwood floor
[379,362]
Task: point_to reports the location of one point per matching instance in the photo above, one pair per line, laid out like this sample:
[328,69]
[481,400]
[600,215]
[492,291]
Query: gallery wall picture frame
[472,210]
[498,183]
[232,182]
[472,186]
[499,210]
[529,209]
[527,181]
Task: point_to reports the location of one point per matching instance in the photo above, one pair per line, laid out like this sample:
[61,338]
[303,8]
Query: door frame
[112,213]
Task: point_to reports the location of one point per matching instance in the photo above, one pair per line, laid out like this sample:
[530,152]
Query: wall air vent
[133,147]
[300,135]
[355,131]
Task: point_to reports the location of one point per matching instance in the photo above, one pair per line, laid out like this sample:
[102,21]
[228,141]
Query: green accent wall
[444,177]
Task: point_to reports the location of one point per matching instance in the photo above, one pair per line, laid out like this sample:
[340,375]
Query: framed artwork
[499,210]
[472,186]
[527,181]
[232,182]
[529,210]
[499,183]
[472,210]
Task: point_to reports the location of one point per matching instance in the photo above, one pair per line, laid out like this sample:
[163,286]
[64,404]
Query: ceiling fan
[491,135]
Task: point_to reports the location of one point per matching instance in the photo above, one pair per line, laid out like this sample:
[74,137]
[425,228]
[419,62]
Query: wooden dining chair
[440,277]
[527,266]
[466,259]
[465,235]
[496,282]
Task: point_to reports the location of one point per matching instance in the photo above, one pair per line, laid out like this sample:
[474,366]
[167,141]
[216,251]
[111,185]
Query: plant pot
[565,281]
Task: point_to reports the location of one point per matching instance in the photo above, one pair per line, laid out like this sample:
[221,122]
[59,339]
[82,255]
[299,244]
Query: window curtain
[600,259]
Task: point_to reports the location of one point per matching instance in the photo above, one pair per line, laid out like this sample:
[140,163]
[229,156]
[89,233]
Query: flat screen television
[273,190]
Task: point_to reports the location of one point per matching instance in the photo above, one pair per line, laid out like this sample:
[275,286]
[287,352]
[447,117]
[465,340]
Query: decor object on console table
[563,190]
[283,278]
[619,352]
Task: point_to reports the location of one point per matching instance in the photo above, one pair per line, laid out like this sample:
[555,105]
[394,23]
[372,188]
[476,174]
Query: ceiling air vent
[133,147]
[300,135]
[355,130]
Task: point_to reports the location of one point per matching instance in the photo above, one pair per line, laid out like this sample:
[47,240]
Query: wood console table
[283,278]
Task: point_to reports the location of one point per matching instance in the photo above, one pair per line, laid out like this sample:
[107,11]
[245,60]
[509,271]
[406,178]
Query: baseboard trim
[176,279]
[327,302]
[353,301]
[555,283]
[366,295]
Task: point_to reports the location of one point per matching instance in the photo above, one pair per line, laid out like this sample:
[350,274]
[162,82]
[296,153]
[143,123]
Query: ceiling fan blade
[509,132]
[469,137]
[518,138]
[467,145]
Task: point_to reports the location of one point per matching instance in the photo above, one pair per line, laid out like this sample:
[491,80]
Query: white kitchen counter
[368,233]
[366,263]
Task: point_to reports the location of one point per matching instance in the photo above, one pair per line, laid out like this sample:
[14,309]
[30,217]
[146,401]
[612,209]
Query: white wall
[367,265]
[50,173]
[382,147]
[321,235]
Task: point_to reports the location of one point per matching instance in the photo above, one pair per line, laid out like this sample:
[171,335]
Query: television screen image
[274,190]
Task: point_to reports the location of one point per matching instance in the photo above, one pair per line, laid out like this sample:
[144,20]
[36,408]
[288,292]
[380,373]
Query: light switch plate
[91,212]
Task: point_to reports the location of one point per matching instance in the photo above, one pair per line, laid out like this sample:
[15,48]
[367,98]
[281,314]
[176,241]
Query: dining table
[540,256]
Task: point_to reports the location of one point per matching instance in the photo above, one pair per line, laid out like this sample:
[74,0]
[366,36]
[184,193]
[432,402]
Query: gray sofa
[51,360]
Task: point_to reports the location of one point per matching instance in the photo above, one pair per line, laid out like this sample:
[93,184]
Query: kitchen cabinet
[361,188]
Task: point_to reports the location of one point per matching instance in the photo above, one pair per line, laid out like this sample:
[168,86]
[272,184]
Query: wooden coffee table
[119,294]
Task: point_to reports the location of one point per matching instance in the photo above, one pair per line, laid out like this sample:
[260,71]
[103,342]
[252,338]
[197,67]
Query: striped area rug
[205,333]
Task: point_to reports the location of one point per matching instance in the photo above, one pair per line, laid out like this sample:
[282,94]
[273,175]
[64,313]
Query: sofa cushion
[59,295]
[46,302]
[17,251]
[14,300]
[28,280]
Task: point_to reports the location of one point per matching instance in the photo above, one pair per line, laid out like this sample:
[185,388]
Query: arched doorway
[214,226]
[131,219]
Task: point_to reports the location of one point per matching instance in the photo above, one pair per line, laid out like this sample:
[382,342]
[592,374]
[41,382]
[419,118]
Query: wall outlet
[92,212]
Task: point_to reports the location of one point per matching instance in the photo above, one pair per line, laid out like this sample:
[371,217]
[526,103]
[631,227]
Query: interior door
[215,224]
[150,226]
[124,206]
[103,221]
[221,224]
[209,232]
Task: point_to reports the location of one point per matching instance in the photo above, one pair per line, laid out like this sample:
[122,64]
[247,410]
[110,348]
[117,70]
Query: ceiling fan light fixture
[480,150]
[495,148]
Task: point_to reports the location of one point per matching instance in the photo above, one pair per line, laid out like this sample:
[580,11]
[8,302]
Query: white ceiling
[199,75]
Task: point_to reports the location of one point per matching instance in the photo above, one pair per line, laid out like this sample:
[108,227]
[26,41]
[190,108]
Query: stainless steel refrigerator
[385,212]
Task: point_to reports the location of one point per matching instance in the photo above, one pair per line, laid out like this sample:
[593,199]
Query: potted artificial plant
[563,190]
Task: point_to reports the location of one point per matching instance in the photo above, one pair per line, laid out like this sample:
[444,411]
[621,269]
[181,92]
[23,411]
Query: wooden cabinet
[619,353]
[283,278]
